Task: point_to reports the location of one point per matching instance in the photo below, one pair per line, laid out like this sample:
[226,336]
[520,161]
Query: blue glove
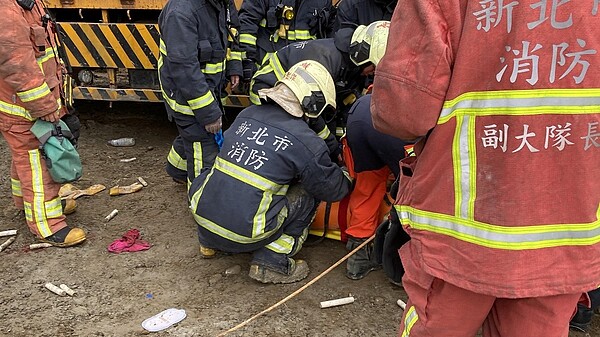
[219,138]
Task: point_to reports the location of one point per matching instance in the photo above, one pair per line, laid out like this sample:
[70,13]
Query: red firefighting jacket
[505,191]
[30,73]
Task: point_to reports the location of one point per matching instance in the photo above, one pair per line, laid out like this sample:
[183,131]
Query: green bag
[56,147]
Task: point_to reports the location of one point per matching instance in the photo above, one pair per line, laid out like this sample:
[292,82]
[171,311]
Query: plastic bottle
[122,142]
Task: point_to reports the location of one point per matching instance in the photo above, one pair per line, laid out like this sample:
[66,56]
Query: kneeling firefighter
[263,191]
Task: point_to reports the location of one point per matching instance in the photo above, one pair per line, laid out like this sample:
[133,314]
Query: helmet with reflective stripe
[368,43]
[313,85]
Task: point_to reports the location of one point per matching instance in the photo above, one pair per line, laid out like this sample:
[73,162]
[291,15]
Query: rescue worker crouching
[348,57]
[262,193]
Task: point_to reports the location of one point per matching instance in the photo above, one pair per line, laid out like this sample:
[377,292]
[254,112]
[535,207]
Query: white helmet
[313,85]
[368,43]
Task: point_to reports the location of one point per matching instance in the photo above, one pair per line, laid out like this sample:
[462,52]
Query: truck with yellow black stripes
[110,48]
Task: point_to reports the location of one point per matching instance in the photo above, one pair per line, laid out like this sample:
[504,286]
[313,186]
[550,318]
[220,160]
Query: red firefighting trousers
[437,308]
[32,187]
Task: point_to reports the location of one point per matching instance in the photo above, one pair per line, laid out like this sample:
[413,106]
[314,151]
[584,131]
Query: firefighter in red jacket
[30,80]
[502,201]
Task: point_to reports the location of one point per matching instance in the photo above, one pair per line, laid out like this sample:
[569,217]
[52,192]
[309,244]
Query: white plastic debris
[401,304]
[122,142]
[164,319]
[67,290]
[55,289]
[9,232]
[337,302]
[111,215]
[7,243]
[142,181]
[39,245]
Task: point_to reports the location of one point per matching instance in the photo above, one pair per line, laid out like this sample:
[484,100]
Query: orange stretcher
[331,219]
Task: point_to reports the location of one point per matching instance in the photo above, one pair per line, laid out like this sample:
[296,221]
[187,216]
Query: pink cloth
[130,242]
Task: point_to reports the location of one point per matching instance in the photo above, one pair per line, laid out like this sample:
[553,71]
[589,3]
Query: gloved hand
[347,174]
[214,127]
[74,125]
[248,69]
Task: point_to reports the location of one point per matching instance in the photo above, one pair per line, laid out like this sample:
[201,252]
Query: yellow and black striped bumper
[110,45]
[108,94]
[236,101]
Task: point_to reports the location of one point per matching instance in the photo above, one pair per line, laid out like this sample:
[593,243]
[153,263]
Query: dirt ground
[116,292]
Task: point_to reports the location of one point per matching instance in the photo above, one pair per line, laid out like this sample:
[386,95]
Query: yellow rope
[290,296]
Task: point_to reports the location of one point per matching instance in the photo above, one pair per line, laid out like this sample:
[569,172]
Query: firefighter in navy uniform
[234,54]
[269,25]
[347,56]
[272,170]
[192,62]
[352,13]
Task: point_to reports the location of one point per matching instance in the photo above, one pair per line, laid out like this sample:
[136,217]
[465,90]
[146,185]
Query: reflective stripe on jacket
[192,57]
[264,151]
[30,75]
[260,24]
[277,64]
[234,53]
[504,198]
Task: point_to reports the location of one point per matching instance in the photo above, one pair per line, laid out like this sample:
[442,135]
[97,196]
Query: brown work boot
[261,274]
[68,206]
[65,237]
[207,253]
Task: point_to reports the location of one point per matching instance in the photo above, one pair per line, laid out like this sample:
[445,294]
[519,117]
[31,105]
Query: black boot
[582,319]
[362,262]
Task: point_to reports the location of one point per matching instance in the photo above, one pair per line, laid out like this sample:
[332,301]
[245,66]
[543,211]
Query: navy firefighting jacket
[277,64]
[260,22]
[331,53]
[234,53]
[265,150]
[192,59]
